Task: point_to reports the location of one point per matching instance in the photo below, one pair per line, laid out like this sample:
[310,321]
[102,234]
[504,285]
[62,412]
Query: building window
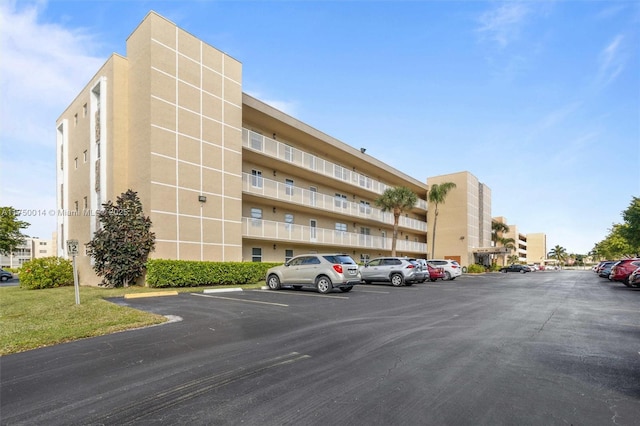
[341,200]
[288,221]
[339,172]
[311,162]
[289,186]
[341,227]
[256,216]
[364,258]
[288,153]
[365,207]
[313,195]
[256,254]
[288,254]
[256,178]
[365,181]
[255,141]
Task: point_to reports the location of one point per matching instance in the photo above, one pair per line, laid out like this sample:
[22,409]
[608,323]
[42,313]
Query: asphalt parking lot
[544,348]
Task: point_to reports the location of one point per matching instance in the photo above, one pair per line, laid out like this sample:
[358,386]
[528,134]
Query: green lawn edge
[32,319]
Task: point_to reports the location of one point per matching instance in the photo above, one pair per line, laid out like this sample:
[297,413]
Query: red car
[623,268]
[435,272]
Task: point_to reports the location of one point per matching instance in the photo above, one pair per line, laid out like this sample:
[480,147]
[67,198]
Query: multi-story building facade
[223,176]
[536,248]
[463,227]
[31,248]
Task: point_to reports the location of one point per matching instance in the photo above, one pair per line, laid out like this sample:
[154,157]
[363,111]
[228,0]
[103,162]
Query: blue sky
[539,100]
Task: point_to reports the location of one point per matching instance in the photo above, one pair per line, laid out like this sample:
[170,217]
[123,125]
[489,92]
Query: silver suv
[322,271]
[452,269]
[396,270]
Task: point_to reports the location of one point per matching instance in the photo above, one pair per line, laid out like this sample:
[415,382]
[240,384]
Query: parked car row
[626,271]
[327,271]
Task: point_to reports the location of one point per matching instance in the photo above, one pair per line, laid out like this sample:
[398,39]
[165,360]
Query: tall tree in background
[396,200]
[122,245]
[437,195]
[631,227]
[10,226]
[558,253]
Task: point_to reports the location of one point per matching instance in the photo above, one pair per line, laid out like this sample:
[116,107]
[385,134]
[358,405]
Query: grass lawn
[31,319]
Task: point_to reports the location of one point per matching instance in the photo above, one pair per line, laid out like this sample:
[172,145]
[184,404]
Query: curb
[152,294]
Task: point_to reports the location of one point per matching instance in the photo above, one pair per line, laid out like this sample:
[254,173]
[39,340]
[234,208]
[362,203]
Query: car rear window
[340,259]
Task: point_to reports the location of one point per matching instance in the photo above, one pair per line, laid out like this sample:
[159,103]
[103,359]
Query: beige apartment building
[223,176]
[463,228]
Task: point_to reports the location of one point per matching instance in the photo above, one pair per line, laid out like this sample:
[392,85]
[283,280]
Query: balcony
[303,197]
[284,152]
[280,231]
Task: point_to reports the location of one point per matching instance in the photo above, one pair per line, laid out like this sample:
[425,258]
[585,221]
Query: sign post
[72,250]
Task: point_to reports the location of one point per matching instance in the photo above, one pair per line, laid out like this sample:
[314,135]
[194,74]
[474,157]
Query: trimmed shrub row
[185,273]
[46,272]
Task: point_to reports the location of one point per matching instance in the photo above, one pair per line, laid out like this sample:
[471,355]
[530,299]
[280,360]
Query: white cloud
[42,69]
[612,61]
[503,23]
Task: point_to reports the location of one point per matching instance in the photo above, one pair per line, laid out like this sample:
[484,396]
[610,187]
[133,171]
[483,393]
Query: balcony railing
[272,148]
[296,195]
[280,231]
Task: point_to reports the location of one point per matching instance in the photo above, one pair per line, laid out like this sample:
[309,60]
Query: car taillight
[410,266]
[337,268]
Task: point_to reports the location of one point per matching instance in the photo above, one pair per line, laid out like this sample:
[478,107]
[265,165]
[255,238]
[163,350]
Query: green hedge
[184,273]
[46,272]
[476,269]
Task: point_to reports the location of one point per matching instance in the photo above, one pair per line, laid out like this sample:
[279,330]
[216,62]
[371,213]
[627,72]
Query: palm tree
[558,253]
[498,229]
[396,200]
[509,244]
[437,195]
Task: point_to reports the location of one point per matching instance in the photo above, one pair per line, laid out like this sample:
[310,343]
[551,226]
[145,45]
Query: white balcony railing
[272,148]
[296,195]
[280,231]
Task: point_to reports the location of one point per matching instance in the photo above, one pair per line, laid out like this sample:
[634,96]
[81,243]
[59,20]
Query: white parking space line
[360,290]
[302,294]
[240,300]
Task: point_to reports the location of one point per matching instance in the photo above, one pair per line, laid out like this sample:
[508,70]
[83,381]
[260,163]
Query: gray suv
[396,270]
[322,271]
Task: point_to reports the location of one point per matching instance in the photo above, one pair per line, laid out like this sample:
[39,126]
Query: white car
[452,269]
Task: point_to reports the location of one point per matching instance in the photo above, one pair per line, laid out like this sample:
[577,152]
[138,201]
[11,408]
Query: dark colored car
[5,275]
[623,268]
[604,270]
[515,268]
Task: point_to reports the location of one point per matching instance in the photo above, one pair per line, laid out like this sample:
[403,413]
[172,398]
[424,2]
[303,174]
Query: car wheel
[4,278]
[346,289]
[503,271]
[522,271]
[447,275]
[273,282]
[323,284]
[397,280]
